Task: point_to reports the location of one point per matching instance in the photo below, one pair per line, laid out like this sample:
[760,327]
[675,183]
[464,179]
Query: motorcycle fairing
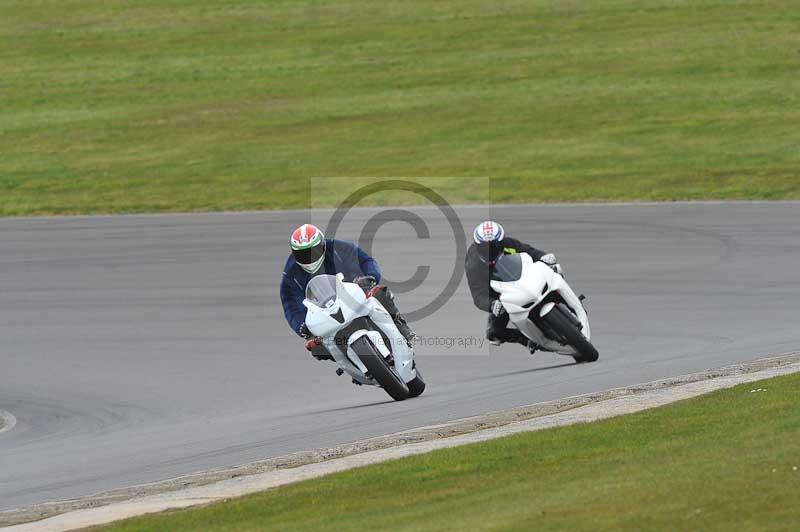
[536,290]
[353,303]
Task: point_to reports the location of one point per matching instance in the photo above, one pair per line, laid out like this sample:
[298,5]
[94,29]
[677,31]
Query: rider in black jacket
[490,243]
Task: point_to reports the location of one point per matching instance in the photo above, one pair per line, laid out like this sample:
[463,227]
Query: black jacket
[479,269]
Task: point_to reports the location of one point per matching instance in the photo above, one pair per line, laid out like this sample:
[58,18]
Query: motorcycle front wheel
[416,385]
[379,369]
[564,328]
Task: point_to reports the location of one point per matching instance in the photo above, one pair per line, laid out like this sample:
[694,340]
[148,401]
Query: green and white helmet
[308,247]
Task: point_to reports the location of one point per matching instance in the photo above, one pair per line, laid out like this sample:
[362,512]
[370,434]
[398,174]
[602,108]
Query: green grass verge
[725,461]
[183,105]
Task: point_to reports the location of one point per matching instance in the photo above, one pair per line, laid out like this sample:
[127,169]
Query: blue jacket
[340,257]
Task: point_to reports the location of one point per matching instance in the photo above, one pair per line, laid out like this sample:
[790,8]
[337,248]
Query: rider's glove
[366,282]
[551,261]
[314,346]
[303,331]
[497,308]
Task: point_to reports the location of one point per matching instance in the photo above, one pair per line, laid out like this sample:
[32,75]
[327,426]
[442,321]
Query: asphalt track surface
[139,348]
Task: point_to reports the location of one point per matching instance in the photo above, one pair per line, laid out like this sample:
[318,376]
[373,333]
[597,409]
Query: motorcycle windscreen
[321,290]
[508,268]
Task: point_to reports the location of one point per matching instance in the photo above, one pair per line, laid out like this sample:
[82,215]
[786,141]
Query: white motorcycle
[543,307]
[361,336]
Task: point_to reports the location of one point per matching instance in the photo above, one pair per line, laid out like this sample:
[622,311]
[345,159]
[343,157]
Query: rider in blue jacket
[313,254]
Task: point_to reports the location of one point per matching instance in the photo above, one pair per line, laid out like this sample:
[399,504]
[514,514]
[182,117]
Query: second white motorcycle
[543,307]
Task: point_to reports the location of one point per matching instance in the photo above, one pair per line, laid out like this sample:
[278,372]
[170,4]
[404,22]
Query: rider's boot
[496,332]
[509,335]
[491,335]
[402,326]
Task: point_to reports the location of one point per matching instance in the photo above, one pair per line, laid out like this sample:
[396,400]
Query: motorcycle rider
[312,254]
[490,242]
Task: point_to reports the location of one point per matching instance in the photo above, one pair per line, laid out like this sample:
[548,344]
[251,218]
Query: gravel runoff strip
[209,487]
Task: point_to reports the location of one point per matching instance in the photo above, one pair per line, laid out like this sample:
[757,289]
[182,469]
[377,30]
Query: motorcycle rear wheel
[379,369]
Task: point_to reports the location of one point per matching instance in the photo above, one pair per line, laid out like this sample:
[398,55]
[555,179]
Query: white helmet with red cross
[488,231]
[308,247]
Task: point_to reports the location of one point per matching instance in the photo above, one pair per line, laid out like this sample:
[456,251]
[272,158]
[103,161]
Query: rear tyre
[416,386]
[379,369]
[565,329]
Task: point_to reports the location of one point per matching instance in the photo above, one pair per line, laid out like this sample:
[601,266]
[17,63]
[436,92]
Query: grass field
[726,461]
[182,105]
